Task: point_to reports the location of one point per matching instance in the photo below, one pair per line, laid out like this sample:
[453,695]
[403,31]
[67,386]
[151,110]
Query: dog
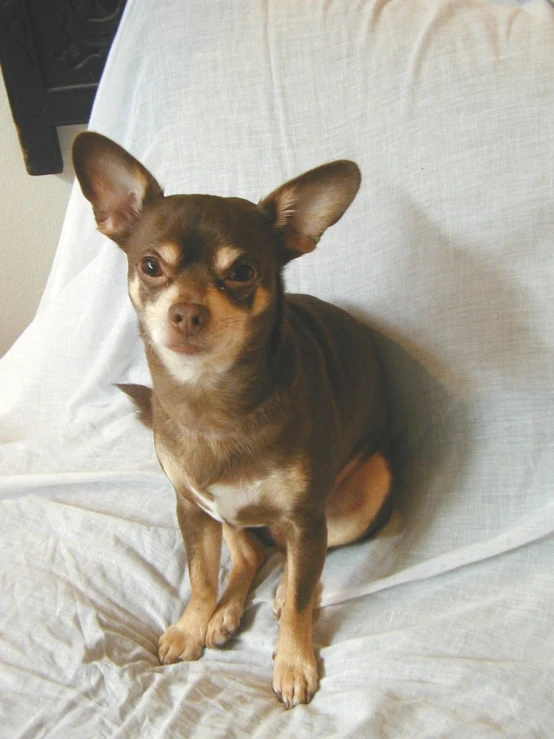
[268,410]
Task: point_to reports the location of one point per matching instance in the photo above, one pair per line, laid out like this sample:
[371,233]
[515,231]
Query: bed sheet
[440,626]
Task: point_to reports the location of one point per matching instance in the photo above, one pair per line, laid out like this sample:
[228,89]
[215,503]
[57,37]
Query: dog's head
[204,270]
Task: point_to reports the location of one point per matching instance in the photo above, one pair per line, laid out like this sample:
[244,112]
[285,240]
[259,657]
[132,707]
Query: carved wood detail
[52,54]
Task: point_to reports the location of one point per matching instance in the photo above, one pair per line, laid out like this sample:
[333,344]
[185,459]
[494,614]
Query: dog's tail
[142,398]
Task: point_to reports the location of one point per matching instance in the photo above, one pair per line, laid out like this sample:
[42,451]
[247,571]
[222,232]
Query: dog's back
[338,351]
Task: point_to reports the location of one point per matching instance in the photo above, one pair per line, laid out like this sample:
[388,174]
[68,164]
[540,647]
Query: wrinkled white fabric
[442,626]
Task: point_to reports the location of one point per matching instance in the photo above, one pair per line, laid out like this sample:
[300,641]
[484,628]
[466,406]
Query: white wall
[31,214]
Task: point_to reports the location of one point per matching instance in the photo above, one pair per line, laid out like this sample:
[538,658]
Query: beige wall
[31,214]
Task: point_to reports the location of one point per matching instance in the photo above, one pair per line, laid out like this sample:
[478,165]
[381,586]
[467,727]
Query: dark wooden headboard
[52,54]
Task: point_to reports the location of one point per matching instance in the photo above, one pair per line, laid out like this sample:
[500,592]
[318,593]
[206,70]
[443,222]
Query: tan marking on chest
[259,502]
[255,502]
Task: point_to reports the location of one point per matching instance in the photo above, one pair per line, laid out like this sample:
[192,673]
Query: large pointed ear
[303,208]
[117,185]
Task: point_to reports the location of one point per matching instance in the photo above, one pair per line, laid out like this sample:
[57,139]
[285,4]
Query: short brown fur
[267,409]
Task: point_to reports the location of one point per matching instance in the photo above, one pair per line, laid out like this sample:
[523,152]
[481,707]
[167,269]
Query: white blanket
[443,625]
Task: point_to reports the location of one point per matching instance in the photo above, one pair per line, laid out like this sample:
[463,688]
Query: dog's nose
[188,318]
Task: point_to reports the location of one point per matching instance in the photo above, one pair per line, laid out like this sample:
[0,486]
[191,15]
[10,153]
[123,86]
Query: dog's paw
[175,645]
[223,625]
[295,679]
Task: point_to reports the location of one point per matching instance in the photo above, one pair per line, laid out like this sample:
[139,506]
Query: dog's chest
[229,502]
[251,502]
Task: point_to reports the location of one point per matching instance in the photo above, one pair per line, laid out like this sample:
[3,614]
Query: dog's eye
[241,272]
[151,267]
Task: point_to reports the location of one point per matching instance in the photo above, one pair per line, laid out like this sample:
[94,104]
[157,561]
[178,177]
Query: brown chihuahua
[267,409]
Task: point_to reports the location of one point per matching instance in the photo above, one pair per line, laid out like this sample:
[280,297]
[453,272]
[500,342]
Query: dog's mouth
[187,348]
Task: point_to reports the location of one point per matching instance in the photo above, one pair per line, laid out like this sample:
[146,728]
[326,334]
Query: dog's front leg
[186,639]
[247,556]
[295,677]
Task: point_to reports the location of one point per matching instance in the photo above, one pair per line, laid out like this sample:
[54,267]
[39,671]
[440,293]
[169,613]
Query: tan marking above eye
[170,253]
[225,257]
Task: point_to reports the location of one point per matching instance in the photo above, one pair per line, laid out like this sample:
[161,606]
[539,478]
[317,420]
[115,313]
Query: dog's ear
[117,185]
[303,208]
